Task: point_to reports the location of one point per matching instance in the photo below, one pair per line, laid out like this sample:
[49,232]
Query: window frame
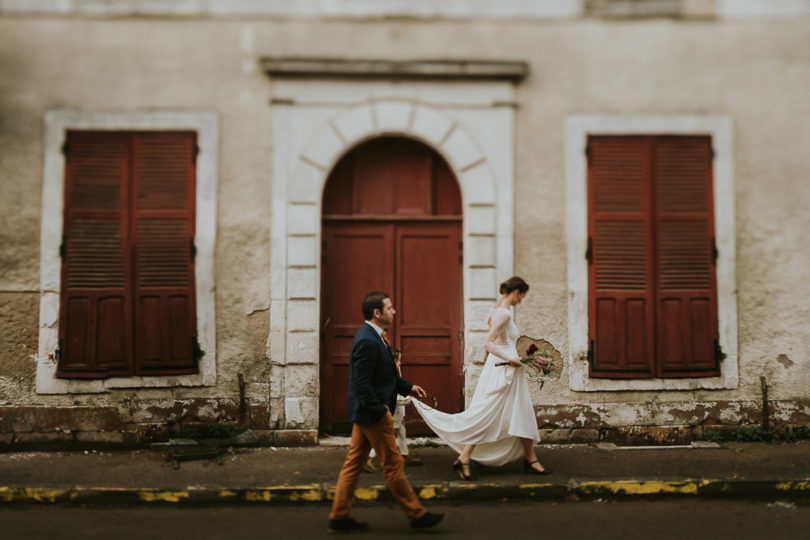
[720,129]
[57,123]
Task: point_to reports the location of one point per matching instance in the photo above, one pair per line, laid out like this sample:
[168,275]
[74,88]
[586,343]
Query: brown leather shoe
[426,521]
[346,525]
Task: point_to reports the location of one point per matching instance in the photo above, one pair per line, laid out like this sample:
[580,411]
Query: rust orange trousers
[380,436]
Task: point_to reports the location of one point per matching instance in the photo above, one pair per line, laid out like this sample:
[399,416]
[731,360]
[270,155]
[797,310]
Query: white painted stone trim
[311,133]
[753,9]
[370,9]
[57,122]
[720,128]
[354,9]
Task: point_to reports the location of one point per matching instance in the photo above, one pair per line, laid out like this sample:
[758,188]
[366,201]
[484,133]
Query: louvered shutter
[163,229]
[620,280]
[95,310]
[686,286]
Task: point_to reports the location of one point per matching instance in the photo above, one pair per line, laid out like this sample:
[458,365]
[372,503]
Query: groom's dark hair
[372,301]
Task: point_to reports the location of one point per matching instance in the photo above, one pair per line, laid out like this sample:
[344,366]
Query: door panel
[419,265]
[428,324]
[357,259]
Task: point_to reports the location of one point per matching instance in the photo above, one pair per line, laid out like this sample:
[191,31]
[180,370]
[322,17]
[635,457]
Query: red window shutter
[620,281]
[95,311]
[163,210]
[686,280]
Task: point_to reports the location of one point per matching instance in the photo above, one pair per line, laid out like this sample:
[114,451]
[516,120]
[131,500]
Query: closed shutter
[620,282]
[127,302]
[163,191]
[686,278]
[95,311]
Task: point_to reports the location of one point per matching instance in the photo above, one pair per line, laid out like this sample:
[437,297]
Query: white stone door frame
[315,122]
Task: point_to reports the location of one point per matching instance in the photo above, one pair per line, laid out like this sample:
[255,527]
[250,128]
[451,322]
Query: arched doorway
[392,221]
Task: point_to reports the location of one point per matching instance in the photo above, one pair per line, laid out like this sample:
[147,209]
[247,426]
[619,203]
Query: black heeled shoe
[458,466]
[528,469]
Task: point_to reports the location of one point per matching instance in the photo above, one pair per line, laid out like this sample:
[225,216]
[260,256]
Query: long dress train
[499,414]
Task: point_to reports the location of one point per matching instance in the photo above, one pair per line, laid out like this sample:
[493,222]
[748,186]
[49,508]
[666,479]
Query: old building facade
[195,196]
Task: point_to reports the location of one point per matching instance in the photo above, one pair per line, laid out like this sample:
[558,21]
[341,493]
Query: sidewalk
[307,475]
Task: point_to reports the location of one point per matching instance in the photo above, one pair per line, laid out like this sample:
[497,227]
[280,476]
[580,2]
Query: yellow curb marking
[31,494]
[433,491]
[311,495]
[534,486]
[799,485]
[82,491]
[633,487]
[227,493]
[367,494]
[164,496]
[256,496]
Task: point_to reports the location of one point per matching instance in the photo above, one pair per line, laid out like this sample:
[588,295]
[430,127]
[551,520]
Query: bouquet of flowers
[532,358]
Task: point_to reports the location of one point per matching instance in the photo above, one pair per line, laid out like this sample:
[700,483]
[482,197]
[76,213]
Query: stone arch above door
[309,138]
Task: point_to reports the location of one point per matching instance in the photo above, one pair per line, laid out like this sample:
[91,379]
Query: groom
[373,385]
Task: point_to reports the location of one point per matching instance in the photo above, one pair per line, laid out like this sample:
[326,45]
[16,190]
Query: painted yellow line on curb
[634,487]
[258,496]
[31,494]
[798,485]
[368,494]
[163,496]
[311,495]
[433,491]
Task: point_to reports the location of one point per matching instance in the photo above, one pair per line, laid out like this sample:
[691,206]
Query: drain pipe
[242,401]
[766,424]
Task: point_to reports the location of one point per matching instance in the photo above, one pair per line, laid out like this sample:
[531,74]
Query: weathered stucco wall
[755,72]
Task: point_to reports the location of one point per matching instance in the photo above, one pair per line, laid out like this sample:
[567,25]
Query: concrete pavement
[307,475]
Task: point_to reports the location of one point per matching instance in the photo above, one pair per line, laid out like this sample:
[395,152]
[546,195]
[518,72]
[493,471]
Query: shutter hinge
[196,152]
[719,355]
[460,252]
[192,248]
[64,148]
[714,251]
[590,354]
[460,335]
[588,152]
[589,251]
[62,249]
[57,354]
[198,352]
[711,151]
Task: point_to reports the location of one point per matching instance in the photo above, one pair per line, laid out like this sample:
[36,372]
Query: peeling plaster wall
[755,72]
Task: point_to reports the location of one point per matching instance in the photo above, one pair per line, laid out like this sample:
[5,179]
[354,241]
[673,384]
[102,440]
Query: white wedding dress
[499,414]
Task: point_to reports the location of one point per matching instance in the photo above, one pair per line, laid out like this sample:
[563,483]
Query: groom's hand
[418,391]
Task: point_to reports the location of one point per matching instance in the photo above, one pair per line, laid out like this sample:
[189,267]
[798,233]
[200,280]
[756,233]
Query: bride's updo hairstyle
[514,283]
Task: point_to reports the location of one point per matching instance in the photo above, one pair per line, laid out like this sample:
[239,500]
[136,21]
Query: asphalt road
[661,519]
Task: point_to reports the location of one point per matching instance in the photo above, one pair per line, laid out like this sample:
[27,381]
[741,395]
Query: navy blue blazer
[373,378]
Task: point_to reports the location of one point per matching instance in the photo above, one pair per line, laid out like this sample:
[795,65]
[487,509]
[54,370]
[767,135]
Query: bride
[499,426]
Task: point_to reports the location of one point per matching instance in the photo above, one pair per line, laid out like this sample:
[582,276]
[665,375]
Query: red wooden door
[356,259]
[392,222]
[418,264]
[428,326]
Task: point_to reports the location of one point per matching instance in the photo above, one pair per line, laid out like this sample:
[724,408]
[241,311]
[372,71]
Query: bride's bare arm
[496,338]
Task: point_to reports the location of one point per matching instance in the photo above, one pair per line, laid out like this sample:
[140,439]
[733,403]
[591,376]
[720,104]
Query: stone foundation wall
[40,428]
